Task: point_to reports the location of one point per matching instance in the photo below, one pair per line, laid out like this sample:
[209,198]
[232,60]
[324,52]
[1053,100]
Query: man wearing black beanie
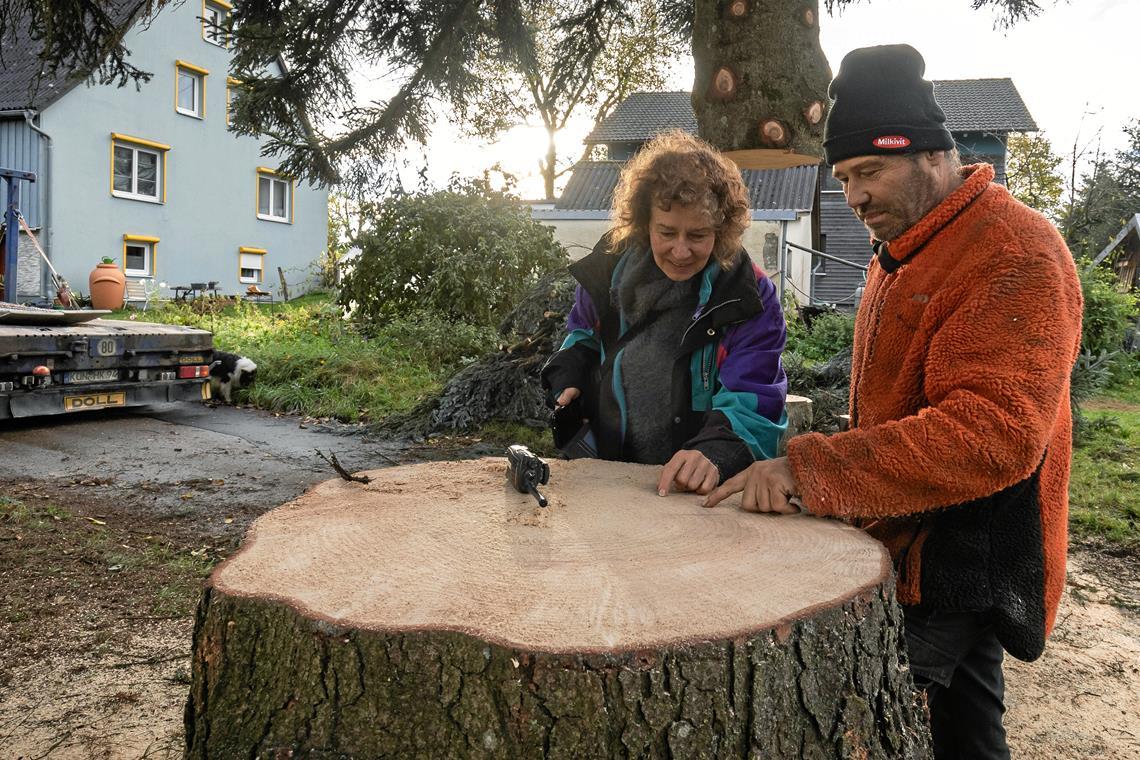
[958,454]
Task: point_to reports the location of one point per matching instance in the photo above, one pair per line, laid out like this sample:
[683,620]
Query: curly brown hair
[676,167]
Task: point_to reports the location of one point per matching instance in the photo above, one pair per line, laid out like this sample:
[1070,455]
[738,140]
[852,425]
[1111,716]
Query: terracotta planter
[108,286]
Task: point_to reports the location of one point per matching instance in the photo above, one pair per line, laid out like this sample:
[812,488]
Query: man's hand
[768,486]
[688,470]
[566,396]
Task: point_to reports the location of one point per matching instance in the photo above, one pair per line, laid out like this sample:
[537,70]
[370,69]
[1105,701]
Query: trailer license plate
[91,376]
[94,401]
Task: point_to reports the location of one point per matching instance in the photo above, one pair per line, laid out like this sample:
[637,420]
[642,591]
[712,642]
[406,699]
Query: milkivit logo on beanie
[883,106]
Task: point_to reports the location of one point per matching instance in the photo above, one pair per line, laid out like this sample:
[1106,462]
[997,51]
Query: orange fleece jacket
[960,410]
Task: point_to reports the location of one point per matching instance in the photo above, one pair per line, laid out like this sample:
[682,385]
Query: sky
[1076,66]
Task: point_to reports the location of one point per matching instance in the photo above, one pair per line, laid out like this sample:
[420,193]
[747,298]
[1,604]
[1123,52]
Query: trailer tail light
[197,370]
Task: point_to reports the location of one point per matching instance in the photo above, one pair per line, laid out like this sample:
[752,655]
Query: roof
[645,114]
[971,105]
[778,192]
[1133,225]
[23,82]
[983,105]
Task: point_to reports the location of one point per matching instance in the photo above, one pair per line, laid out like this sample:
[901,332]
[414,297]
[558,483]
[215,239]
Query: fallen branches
[344,474]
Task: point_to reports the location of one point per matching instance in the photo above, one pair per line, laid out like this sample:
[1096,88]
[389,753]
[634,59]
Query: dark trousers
[956,659]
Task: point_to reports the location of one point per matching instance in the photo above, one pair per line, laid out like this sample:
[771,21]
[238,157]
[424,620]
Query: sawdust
[1082,698]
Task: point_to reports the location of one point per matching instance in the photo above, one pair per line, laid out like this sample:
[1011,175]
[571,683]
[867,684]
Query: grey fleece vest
[645,294]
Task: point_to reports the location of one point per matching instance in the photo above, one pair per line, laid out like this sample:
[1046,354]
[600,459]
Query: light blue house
[151,176]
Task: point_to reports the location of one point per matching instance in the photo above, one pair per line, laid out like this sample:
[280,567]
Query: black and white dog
[229,372]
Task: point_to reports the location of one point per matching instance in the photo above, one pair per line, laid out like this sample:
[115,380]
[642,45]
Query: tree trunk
[436,612]
[550,165]
[761,75]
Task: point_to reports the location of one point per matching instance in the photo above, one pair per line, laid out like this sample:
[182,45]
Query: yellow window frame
[202,73]
[153,241]
[257,197]
[227,7]
[245,249]
[230,84]
[162,149]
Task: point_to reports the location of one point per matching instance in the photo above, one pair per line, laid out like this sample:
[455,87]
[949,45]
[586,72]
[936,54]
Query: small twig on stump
[332,460]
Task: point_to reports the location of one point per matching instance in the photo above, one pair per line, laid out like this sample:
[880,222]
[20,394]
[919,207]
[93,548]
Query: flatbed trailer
[51,366]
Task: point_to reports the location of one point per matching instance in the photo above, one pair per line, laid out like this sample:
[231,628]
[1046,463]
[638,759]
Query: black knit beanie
[882,105]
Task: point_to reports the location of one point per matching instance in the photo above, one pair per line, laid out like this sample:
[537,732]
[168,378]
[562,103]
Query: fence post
[284,285]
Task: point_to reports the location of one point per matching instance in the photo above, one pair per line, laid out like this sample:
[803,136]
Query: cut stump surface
[437,612]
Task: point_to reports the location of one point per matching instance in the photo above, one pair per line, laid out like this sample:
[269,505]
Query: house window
[138,168]
[231,83]
[251,264]
[190,90]
[274,197]
[215,14]
[138,255]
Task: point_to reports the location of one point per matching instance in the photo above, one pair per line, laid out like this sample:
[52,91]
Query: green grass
[1104,489]
[312,361]
[1129,391]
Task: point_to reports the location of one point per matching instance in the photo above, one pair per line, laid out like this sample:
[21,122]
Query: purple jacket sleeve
[750,356]
[570,366]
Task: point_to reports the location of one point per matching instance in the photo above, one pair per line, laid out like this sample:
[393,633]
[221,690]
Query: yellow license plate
[94,401]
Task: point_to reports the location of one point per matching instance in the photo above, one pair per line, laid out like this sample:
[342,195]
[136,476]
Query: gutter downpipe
[45,176]
[783,260]
[45,194]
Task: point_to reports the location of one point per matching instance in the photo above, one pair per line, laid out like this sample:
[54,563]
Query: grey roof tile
[983,105]
[24,83]
[591,187]
[645,114]
[971,105]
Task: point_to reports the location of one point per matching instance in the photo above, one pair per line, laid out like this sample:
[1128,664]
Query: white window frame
[214,17]
[276,185]
[198,76]
[248,255]
[121,142]
[148,244]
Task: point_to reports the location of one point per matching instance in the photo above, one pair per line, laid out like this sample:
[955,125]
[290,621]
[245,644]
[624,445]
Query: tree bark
[436,612]
[776,68]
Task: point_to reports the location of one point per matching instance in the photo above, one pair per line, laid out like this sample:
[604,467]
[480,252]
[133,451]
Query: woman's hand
[566,396]
[688,470]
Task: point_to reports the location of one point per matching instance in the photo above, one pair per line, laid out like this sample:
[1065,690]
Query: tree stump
[435,612]
[799,409]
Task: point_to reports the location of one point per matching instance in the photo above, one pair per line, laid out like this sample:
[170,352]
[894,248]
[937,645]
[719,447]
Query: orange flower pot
[108,286]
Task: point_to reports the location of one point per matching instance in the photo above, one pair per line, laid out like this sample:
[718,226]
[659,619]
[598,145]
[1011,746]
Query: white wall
[579,236]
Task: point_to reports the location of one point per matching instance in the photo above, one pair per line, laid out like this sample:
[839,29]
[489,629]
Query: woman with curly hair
[673,352]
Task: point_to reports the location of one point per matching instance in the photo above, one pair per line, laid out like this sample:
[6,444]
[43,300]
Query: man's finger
[781,503]
[763,499]
[748,497]
[727,488]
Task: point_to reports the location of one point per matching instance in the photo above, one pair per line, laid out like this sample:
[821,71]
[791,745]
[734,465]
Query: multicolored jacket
[728,385]
[959,452]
